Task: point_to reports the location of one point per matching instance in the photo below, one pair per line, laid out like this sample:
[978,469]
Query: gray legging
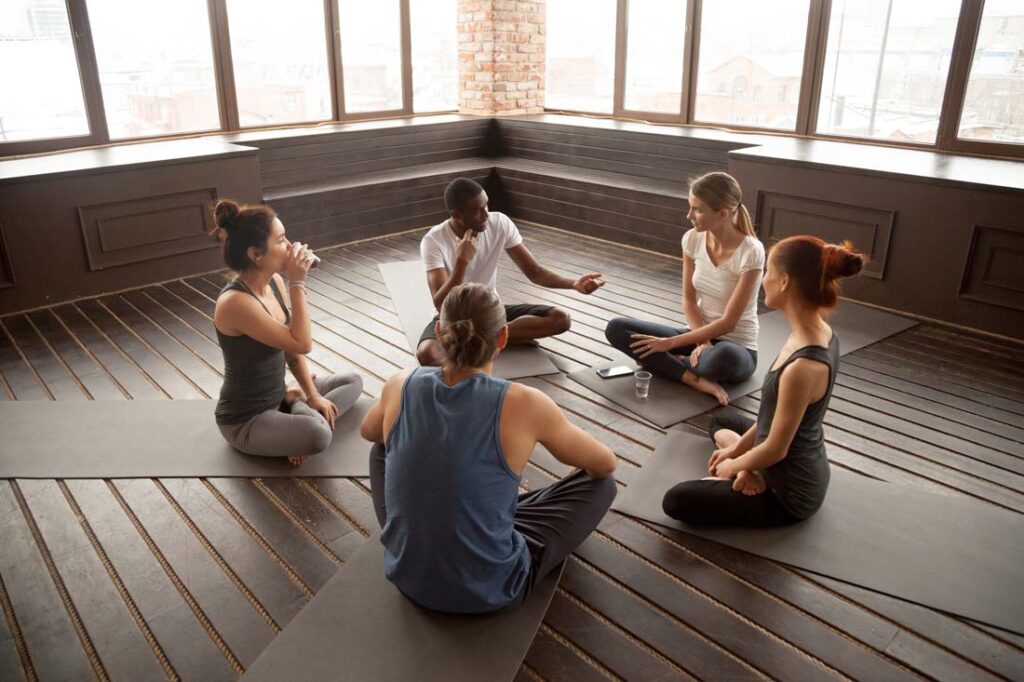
[303,430]
[553,520]
[725,361]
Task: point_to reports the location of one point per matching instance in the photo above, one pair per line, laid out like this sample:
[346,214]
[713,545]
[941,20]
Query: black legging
[553,520]
[715,503]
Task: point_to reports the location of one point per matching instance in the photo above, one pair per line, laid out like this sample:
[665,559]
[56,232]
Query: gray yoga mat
[151,439]
[671,402]
[407,284]
[360,627]
[948,553]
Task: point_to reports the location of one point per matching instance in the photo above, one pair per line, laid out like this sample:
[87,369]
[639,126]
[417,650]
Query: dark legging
[553,520]
[724,362]
[715,503]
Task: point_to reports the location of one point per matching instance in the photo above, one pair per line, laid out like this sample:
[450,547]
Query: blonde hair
[721,191]
[471,319]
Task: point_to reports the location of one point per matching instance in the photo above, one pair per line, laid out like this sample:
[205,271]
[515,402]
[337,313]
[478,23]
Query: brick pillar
[501,57]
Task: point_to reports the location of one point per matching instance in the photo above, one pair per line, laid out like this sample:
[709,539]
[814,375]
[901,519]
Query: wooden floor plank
[96,380]
[19,376]
[53,645]
[192,651]
[60,382]
[120,643]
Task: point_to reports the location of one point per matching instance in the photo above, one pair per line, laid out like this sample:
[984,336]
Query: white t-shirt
[437,249]
[715,285]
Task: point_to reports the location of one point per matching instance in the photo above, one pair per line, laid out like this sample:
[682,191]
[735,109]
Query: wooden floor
[191,578]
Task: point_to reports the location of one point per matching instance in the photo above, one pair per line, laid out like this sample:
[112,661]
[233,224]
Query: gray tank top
[253,371]
[801,478]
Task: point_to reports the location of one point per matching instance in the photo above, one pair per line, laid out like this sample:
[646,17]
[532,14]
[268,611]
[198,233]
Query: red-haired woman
[774,471]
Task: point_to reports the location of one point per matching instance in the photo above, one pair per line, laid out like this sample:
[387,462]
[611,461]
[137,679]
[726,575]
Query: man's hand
[465,251]
[589,283]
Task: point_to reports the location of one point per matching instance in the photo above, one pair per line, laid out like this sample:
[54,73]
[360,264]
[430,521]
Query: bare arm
[441,282]
[802,383]
[569,444]
[242,314]
[300,370]
[375,426]
[690,308]
[538,274]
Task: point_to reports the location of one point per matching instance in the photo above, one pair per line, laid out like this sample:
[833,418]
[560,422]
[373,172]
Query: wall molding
[780,215]
[992,270]
[146,228]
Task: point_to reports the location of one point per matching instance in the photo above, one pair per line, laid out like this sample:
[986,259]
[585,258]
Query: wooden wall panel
[145,228]
[6,271]
[870,229]
[994,271]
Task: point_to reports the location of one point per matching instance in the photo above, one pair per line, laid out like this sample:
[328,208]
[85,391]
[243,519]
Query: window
[654,55]
[580,69]
[435,55]
[279,54]
[156,68]
[371,55]
[41,97]
[885,69]
[994,103]
[750,43]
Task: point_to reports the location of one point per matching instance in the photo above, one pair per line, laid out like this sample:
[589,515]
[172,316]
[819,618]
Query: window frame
[224,79]
[947,136]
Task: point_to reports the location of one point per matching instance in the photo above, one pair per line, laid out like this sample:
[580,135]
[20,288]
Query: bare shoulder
[527,402]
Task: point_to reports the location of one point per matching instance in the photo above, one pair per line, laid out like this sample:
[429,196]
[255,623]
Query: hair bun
[462,331]
[840,260]
[225,213]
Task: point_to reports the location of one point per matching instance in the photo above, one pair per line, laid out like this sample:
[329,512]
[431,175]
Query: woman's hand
[325,407]
[727,468]
[297,264]
[695,355]
[719,456]
[644,345]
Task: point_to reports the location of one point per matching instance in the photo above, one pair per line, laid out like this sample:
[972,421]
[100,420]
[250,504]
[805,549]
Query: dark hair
[471,318]
[815,266]
[460,192]
[239,226]
[721,191]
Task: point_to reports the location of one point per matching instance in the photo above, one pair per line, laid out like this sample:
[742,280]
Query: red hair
[815,267]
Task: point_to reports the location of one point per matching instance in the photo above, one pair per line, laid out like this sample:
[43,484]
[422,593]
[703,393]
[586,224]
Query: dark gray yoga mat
[407,284]
[671,402]
[941,551]
[152,439]
[360,627]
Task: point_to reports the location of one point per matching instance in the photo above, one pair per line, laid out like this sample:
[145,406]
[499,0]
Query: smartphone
[612,372]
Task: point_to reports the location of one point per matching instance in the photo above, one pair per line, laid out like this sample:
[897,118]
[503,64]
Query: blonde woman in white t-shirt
[723,262]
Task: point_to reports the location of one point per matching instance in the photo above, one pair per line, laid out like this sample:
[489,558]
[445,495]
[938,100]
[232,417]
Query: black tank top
[801,478]
[253,371]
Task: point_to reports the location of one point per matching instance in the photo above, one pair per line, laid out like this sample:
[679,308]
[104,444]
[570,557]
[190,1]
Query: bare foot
[706,386]
[751,482]
[299,461]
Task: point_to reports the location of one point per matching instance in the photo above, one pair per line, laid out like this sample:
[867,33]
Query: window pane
[435,54]
[994,104]
[371,55]
[751,60]
[580,55]
[283,77]
[156,66]
[654,55]
[42,96]
[885,68]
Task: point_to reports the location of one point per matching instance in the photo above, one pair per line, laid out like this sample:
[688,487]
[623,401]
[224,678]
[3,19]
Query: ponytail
[239,226]
[721,191]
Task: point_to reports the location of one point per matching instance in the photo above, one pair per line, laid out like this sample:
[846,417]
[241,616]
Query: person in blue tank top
[451,444]
[775,471]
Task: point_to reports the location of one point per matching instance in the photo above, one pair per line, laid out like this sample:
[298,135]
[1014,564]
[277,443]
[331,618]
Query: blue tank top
[449,539]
